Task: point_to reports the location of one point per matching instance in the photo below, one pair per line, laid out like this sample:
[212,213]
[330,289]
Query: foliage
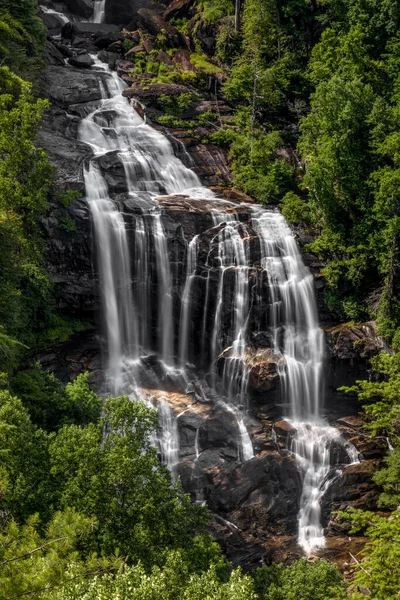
[110,469]
[172,582]
[294,209]
[381,398]
[24,458]
[52,405]
[22,38]
[317,580]
[25,177]
[32,563]
[378,573]
[175,106]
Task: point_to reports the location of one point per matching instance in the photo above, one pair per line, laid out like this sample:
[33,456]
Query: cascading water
[99,10]
[125,270]
[297,336]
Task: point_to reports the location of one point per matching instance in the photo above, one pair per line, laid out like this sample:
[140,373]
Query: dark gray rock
[104,40]
[83,8]
[108,57]
[69,259]
[53,55]
[68,156]
[125,11]
[84,61]
[69,86]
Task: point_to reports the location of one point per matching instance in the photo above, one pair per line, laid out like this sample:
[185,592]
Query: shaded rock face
[83,8]
[124,12]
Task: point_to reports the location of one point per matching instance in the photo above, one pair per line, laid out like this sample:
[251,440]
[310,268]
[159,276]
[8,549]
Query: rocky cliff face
[255,506]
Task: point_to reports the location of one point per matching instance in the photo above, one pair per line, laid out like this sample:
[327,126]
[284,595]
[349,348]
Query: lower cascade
[192,331]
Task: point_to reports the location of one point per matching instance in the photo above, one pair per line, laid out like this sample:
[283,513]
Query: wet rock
[105,39]
[352,487]
[84,61]
[68,155]
[69,260]
[50,20]
[65,51]
[108,58]
[116,47]
[53,55]
[68,359]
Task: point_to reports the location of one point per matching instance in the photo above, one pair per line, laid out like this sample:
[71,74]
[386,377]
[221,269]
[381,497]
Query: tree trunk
[238,6]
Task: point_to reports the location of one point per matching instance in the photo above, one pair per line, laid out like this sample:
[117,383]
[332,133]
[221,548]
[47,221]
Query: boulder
[108,58]
[84,61]
[124,12]
[65,51]
[348,341]
[153,91]
[53,55]
[68,155]
[83,8]
[104,40]
[152,22]
[70,86]
[178,9]
[51,20]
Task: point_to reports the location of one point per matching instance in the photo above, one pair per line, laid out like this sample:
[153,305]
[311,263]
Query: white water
[99,11]
[299,339]
[50,11]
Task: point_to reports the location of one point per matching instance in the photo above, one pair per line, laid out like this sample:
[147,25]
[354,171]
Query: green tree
[379,573]
[317,580]
[25,177]
[25,461]
[110,469]
[33,564]
[50,403]
[172,582]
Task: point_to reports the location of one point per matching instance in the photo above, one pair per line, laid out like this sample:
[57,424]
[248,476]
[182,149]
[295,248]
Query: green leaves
[378,573]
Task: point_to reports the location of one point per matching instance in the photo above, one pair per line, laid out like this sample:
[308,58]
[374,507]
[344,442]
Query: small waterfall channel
[151,337]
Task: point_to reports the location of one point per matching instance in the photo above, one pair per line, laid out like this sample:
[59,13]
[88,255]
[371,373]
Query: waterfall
[150,337]
[99,11]
[298,338]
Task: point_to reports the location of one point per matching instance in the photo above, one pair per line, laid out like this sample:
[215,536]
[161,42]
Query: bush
[294,209]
